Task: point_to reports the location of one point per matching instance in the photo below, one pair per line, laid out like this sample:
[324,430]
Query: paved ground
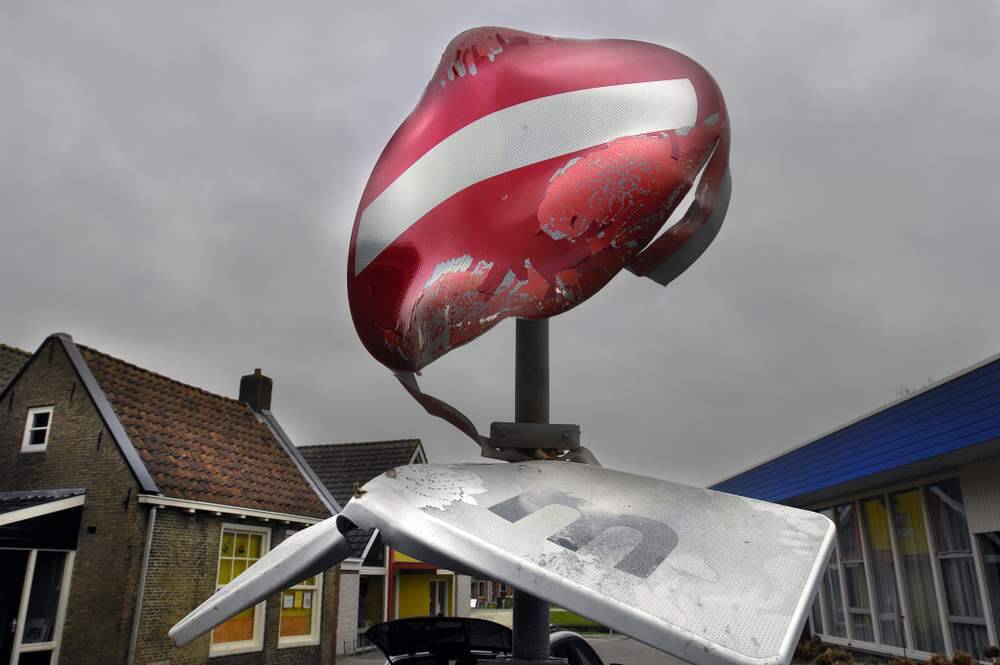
[616,649]
[625,650]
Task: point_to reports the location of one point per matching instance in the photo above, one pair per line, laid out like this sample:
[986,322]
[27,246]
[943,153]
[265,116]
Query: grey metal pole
[531,405]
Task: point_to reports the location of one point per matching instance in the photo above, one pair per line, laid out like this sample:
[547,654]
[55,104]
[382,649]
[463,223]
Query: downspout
[134,639]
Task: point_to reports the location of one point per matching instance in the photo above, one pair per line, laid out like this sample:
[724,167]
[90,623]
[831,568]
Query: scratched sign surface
[532,170]
[706,576]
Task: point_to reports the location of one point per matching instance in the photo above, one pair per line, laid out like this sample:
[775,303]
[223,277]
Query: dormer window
[36,429]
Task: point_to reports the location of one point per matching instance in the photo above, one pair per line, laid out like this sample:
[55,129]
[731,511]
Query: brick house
[126,497]
[378,583]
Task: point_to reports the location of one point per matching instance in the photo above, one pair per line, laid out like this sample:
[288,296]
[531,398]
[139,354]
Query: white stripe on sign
[517,136]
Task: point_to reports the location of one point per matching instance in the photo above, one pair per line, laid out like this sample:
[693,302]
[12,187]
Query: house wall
[463,594]
[347,614]
[981,487]
[182,573]
[80,453]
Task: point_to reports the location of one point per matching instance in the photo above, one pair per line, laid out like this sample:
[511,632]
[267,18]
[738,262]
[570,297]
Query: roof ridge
[163,377]
[7,347]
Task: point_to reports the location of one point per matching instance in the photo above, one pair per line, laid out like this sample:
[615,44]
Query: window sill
[294,642]
[218,651]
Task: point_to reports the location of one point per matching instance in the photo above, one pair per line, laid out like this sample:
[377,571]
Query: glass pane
[35,658]
[861,625]
[989,544]
[238,568]
[227,544]
[918,581]
[40,420]
[970,638]
[241,545]
[40,621]
[296,613]
[834,603]
[876,524]
[225,572]
[947,517]
[961,587]
[848,533]
[256,541]
[237,629]
[370,599]
[816,617]
[37,437]
[857,586]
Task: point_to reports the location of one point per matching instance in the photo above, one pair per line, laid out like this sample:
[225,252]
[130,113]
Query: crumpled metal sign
[532,170]
[706,576]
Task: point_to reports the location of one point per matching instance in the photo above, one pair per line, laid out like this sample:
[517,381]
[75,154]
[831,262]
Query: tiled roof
[340,465]
[11,501]
[200,446]
[11,362]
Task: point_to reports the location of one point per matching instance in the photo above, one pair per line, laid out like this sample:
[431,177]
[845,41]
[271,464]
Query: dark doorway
[13,564]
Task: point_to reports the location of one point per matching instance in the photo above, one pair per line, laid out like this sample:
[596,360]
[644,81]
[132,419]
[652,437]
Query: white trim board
[192,506]
[41,509]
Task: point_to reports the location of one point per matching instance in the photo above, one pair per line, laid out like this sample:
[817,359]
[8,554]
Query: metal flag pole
[531,405]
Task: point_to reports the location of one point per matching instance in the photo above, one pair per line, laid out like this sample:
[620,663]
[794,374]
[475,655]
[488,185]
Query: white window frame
[313,638]
[886,493]
[54,645]
[260,610]
[26,446]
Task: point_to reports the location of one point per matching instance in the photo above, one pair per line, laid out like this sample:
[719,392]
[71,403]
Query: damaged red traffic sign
[532,170]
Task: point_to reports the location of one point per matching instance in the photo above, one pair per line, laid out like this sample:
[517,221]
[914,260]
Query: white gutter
[219,509]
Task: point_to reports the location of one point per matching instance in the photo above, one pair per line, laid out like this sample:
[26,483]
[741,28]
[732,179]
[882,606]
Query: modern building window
[989,545]
[917,576]
[300,613]
[833,599]
[852,560]
[240,547]
[875,519]
[966,617]
[438,598]
[36,429]
[816,617]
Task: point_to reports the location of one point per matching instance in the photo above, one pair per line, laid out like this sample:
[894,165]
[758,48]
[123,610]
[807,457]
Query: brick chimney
[255,390]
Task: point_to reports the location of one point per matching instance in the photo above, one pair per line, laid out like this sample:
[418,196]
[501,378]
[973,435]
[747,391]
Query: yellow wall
[414,593]
[399,556]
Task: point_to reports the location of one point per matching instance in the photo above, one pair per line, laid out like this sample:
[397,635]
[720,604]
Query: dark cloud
[178,186]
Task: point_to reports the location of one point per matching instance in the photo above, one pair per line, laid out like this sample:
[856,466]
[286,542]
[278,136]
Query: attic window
[36,429]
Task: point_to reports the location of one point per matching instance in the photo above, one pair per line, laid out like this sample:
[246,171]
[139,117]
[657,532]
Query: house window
[239,548]
[36,429]
[300,613]
[966,615]
[438,598]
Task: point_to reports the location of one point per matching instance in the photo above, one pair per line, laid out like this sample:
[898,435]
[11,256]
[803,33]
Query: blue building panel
[957,413]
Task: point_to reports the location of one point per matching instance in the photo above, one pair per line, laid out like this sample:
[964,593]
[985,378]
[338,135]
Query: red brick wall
[105,579]
[80,453]
[182,568]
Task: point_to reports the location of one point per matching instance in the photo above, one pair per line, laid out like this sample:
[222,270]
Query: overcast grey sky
[178,183]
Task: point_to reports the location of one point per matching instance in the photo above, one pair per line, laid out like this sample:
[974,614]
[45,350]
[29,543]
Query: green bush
[938,659]
[808,648]
[963,658]
[832,656]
